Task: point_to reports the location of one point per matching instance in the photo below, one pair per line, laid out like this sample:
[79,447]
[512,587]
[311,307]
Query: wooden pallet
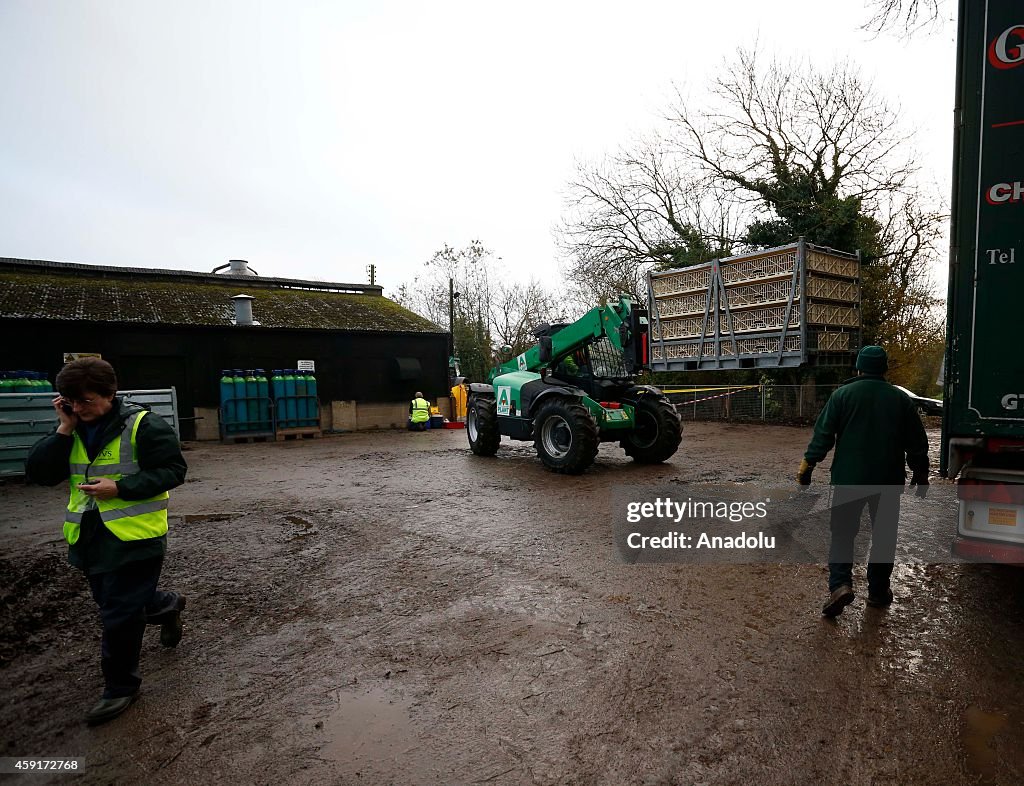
[235,439]
[301,432]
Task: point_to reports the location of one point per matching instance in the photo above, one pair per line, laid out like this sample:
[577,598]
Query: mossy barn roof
[33,289]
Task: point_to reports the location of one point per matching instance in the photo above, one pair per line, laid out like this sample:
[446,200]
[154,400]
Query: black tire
[565,436]
[657,434]
[482,425]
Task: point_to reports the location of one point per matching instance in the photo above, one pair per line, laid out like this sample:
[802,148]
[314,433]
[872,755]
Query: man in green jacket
[876,431]
[121,461]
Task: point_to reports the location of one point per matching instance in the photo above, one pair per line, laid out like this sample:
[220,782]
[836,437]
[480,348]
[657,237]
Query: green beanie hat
[872,360]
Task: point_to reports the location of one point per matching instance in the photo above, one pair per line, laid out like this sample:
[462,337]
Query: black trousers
[128,600]
[883,503]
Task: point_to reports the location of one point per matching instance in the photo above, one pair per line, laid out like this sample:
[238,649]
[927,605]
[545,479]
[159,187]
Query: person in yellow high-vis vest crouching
[419,413]
[120,461]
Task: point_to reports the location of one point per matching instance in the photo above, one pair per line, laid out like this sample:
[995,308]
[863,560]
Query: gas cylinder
[289,397]
[227,401]
[301,402]
[241,410]
[263,400]
[277,385]
[252,408]
[314,401]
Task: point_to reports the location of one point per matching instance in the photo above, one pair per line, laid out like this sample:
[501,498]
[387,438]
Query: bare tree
[788,136]
[907,16]
[488,311]
[638,210]
[517,309]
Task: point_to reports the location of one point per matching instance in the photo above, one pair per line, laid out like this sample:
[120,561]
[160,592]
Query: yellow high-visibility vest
[135,519]
[420,410]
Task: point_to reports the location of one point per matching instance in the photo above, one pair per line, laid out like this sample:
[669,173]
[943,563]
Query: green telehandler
[574,389]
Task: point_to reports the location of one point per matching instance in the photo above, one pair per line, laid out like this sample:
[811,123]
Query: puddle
[978,730]
[367,727]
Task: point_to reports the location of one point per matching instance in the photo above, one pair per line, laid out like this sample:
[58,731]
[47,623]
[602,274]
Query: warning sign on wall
[69,356]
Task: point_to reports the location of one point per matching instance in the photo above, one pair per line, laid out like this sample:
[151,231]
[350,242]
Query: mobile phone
[68,409]
[88,483]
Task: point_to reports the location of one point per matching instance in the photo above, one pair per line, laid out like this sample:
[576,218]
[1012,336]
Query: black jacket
[875,429]
[161,468]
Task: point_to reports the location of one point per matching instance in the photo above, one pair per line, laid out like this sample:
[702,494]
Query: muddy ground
[387,608]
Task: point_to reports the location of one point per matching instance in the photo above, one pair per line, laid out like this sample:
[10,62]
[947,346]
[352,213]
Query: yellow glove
[803,475]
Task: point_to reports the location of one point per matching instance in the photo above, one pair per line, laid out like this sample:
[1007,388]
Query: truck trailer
[983,412]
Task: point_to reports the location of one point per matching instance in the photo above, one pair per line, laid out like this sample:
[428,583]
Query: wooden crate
[822,262]
[753,268]
[683,304]
[682,351]
[682,328]
[690,280]
[834,342]
[761,293]
[742,322]
[762,319]
[754,346]
[832,289]
[744,346]
[827,314]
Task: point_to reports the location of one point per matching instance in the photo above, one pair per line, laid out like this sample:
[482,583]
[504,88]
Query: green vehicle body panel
[508,389]
[611,419]
[507,393]
[984,363]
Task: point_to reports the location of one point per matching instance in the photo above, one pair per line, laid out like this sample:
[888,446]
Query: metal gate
[27,417]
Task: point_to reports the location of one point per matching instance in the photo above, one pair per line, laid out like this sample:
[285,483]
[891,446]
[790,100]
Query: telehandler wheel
[566,436]
[658,432]
[482,425]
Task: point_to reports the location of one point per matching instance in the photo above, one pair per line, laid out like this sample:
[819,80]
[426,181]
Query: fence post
[761,387]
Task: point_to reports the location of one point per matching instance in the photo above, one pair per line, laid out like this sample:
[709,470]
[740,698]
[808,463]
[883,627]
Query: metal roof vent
[243,310]
[236,267]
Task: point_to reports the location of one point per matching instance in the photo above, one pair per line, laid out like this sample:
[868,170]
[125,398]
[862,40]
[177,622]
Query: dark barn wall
[349,366]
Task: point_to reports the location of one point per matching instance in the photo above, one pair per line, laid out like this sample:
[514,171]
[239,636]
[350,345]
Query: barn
[163,328]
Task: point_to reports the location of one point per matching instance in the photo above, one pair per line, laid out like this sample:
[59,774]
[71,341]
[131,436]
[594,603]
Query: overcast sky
[313,137]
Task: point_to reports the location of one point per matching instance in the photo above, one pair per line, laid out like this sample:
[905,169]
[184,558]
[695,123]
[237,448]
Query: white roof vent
[235,267]
[243,310]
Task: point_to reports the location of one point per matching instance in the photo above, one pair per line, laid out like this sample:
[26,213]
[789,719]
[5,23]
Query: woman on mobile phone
[120,462]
